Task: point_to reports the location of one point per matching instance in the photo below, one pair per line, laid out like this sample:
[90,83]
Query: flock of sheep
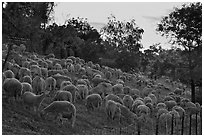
[30,78]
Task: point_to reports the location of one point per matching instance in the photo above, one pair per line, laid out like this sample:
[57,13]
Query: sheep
[160,111]
[142,109]
[117,89]
[64,108]
[96,81]
[83,91]
[165,121]
[70,68]
[147,100]
[154,98]
[43,64]
[135,104]
[8,74]
[38,85]
[114,98]
[32,100]
[160,106]
[73,90]
[112,109]
[57,67]
[27,79]
[50,84]
[12,88]
[108,75]
[65,83]
[24,72]
[54,72]
[81,81]
[180,110]
[44,72]
[26,87]
[93,101]
[127,90]
[178,91]
[168,98]
[35,70]
[146,91]
[63,96]
[170,104]
[15,69]
[127,114]
[60,78]
[128,101]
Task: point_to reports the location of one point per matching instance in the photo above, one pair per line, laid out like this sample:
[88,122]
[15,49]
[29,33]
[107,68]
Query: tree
[124,38]
[184,27]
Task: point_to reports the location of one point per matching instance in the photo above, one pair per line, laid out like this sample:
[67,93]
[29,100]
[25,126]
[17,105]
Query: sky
[146,15]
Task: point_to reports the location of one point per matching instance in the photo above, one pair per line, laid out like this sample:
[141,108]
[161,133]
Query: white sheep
[27,79]
[142,109]
[8,74]
[82,91]
[127,114]
[160,106]
[81,81]
[63,96]
[117,89]
[128,101]
[38,85]
[60,78]
[112,109]
[154,98]
[57,67]
[178,91]
[50,84]
[24,72]
[147,100]
[114,98]
[168,98]
[32,100]
[93,101]
[64,108]
[12,88]
[26,87]
[73,90]
[44,72]
[161,111]
[35,70]
[146,91]
[15,69]
[135,104]
[65,83]
[170,104]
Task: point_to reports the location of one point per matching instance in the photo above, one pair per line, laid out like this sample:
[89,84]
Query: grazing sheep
[35,70]
[127,90]
[8,74]
[32,100]
[70,68]
[26,87]
[63,96]
[57,67]
[154,98]
[12,88]
[54,72]
[146,91]
[15,69]
[128,101]
[50,84]
[65,83]
[165,122]
[93,101]
[96,81]
[161,111]
[127,114]
[83,91]
[160,106]
[73,90]
[112,109]
[27,79]
[168,98]
[24,72]
[64,108]
[114,98]
[38,85]
[60,78]
[170,104]
[147,100]
[117,89]
[178,91]
[142,109]
[81,81]
[135,104]
[180,110]
[44,72]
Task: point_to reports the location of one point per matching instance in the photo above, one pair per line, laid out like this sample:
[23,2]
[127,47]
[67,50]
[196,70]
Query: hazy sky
[146,14]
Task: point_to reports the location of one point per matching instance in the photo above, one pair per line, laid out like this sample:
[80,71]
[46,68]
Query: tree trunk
[192,91]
